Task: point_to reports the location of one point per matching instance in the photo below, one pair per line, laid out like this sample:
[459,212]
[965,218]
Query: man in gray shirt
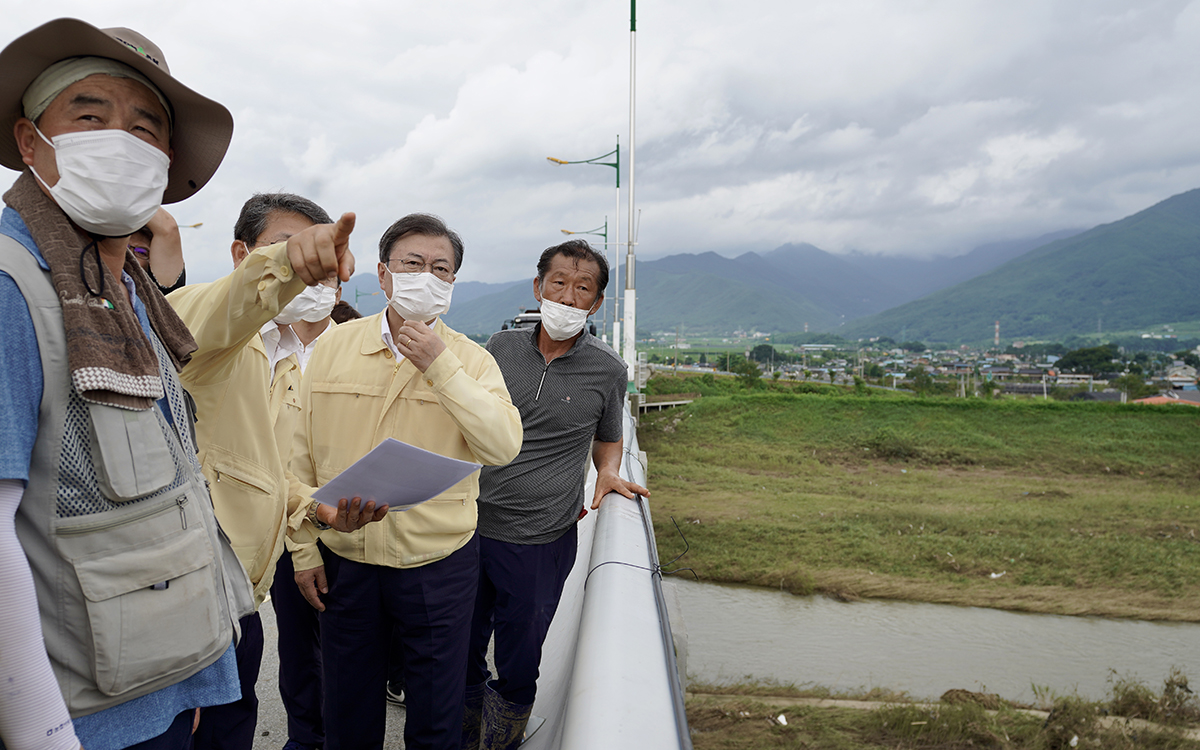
[570,388]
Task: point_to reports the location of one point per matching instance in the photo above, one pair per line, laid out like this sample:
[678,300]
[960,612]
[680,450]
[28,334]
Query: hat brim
[202,127]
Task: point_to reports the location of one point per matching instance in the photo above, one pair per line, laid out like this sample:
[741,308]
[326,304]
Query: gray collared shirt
[578,396]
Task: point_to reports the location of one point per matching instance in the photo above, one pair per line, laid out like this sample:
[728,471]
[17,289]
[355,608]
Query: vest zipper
[112,524]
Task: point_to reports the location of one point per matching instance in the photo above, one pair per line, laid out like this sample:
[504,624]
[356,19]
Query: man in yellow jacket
[247,406]
[401,374]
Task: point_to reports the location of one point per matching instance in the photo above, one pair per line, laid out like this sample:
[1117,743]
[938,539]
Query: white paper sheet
[398,474]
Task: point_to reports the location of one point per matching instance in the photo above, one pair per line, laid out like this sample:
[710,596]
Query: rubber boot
[472,716]
[503,722]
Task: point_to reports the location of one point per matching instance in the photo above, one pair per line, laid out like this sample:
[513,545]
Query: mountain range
[793,287]
[1134,273]
[1138,271]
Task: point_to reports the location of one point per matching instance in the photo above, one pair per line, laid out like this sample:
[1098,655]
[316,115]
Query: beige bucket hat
[202,127]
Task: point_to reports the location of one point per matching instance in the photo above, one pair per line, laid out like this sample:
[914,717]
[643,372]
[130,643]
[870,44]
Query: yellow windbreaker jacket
[244,428]
[355,395]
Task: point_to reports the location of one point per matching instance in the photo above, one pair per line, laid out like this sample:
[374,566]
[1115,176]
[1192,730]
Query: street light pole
[616,232]
[630,346]
[359,295]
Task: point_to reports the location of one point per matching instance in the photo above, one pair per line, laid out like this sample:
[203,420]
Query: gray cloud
[876,125]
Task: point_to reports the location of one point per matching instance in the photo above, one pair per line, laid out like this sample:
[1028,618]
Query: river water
[741,633]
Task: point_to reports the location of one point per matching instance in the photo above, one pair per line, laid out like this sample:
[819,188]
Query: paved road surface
[272,720]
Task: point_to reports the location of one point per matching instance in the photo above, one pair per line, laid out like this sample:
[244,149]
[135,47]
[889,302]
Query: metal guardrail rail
[609,677]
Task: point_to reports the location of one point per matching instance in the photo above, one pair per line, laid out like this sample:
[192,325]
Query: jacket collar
[579,342]
[372,342]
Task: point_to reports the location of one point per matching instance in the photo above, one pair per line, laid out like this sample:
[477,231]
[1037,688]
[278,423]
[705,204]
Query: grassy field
[1035,506]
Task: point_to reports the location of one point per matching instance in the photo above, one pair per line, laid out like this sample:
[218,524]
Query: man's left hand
[606,483]
[419,344]
[166,248]
[351,515]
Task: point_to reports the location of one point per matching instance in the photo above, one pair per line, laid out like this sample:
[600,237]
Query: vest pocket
[130,452]
[150,581]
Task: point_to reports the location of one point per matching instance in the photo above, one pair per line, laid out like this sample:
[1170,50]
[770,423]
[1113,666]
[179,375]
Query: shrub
[1072,723]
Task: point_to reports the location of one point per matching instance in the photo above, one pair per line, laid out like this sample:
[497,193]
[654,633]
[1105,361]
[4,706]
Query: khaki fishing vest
[137,585]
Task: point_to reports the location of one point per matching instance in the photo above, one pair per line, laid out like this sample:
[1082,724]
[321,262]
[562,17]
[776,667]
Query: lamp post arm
[593,160]
[615,164]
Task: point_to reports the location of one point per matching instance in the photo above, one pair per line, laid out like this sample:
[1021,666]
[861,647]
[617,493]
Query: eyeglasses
[138,249]
[438,268]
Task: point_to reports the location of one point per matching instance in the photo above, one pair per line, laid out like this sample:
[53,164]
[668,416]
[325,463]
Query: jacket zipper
[112,524]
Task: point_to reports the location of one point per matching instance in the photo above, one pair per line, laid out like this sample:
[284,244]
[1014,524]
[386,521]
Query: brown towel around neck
[111,360]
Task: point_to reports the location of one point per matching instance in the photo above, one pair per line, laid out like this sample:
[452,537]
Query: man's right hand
[322,250]
[312,584]
[351,515]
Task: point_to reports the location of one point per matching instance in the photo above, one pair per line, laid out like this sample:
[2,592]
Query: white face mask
[561,322]
[110,182]
[312,305]
[419,297]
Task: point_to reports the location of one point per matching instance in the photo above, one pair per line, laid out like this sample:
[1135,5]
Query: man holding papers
[401,374]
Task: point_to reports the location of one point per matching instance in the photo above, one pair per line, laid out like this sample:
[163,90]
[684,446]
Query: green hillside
[704,292]
[699,301]
[696,300]
[485,314]
[1130,274]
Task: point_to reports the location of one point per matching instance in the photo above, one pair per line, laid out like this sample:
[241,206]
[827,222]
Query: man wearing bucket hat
[123,594]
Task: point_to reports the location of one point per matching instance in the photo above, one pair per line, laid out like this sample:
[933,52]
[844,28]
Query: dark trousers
[231,726]
[519,589]
[431,607]
[299,657]
[177,737]
[395,674]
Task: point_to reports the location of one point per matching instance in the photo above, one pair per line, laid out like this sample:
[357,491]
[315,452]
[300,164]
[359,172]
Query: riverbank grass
[1044,507]
[761,716]
[723,723]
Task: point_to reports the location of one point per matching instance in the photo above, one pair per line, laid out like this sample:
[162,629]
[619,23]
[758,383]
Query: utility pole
[676,350]
[630,347]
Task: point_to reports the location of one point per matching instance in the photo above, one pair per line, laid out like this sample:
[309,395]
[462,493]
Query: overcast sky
[913,127]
